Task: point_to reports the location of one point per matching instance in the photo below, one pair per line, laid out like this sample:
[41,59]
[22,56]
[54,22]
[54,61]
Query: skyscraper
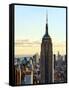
[46,66]
[54,56]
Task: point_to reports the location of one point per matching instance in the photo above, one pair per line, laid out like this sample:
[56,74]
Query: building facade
[46,65]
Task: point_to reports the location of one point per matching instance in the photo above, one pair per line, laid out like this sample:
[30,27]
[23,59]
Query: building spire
[46,22]
[46,17]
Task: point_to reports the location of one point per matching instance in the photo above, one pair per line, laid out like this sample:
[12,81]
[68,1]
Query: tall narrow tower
[46,57]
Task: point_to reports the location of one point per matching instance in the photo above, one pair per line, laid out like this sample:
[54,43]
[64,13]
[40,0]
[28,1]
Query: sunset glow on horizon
[27,47]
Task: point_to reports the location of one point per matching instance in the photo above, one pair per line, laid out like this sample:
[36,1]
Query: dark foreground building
[46,60]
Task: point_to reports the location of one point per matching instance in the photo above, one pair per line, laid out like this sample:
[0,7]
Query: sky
[30,23]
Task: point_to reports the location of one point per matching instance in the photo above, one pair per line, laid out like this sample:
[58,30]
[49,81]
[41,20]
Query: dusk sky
[30,22]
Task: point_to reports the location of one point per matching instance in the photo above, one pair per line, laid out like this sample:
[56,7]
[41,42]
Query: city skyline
[30,28]
[40,45]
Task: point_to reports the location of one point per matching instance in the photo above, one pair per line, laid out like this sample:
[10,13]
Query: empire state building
[46,65]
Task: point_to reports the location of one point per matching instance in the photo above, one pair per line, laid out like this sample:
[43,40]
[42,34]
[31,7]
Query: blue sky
[30,22]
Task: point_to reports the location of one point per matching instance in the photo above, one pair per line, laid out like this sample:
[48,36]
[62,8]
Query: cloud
[31,47]
[27,43]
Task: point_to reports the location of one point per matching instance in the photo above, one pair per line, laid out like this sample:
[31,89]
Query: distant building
[60,70]
[54,60]
[36,58]
[46,65]
[23,70]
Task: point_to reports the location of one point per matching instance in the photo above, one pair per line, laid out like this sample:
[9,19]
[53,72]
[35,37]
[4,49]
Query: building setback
[46,65]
